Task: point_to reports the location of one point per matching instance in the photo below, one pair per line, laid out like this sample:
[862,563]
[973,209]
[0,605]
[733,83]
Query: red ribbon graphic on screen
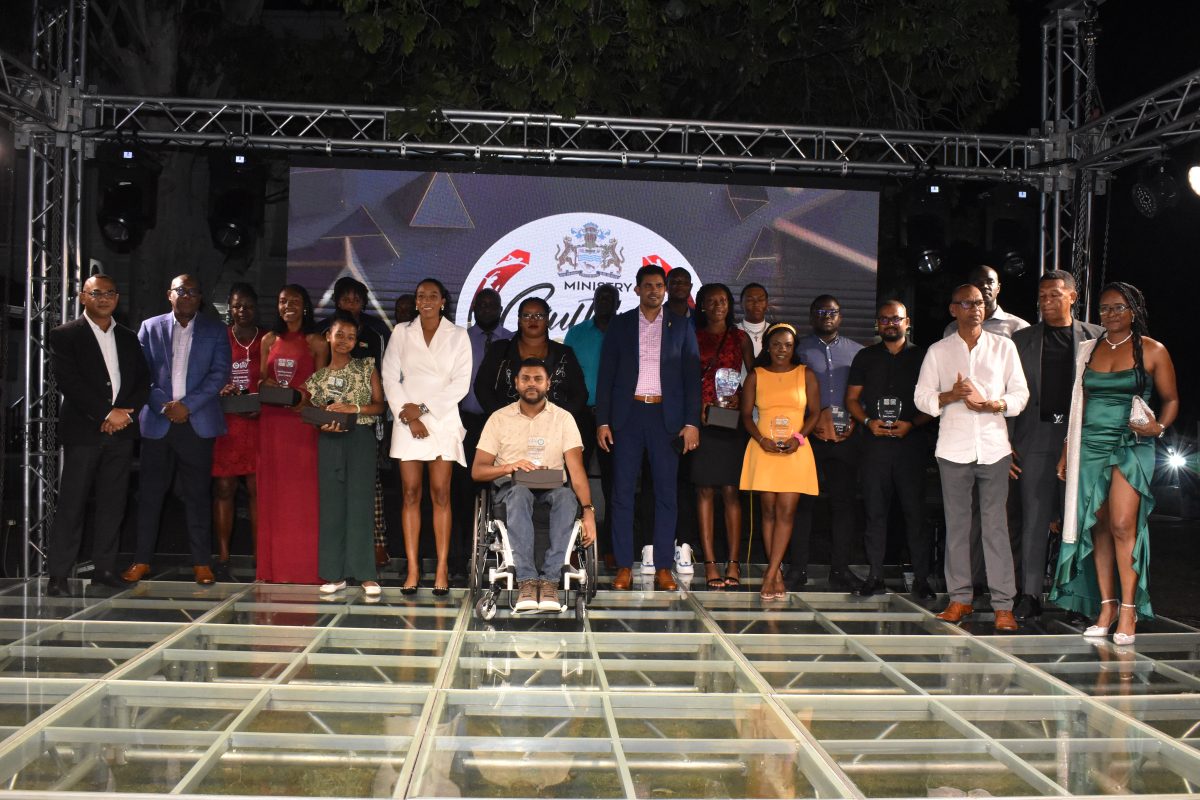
[504,270]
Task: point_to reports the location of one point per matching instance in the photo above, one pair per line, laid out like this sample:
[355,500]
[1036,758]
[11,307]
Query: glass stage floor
[242,689]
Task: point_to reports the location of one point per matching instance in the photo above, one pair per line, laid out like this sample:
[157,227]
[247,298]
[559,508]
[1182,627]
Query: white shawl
[1070,529]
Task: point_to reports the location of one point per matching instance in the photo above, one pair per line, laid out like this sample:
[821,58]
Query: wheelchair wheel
[485,607]
[479,553]
[580,607]
[591,556]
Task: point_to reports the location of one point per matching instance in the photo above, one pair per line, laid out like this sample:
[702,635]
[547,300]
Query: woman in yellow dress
[779,461]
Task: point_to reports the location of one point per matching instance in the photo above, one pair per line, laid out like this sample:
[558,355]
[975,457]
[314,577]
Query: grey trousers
[992,482]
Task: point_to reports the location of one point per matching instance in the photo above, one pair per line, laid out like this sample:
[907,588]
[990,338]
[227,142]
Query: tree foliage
[893,63]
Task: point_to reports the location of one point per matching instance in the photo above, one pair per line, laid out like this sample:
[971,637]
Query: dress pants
[1041,495]
[346,475]
[644,432]
[518,519]
[837,476]
[895,468]
[991,480]
[191,454]
[105,468]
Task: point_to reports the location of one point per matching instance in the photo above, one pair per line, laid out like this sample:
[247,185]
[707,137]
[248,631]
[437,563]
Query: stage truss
[1069,161]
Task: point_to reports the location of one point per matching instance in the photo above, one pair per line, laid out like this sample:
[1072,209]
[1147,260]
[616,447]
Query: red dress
[236,453]
[287,476]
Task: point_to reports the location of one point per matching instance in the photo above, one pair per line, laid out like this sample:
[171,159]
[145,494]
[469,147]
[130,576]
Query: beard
[891,335]
[533,397]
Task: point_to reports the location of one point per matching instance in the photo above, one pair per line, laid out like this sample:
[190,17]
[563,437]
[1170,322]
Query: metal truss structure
[1071,160]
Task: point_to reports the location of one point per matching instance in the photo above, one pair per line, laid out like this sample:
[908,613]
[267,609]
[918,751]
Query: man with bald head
[99,368]
[972,381]
[995,319]
[879,395]
[189,360]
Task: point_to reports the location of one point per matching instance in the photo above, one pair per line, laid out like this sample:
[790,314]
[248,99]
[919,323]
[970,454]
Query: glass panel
[913,771]
[1111,766]
[22,701]
[896,719]
[352,713]
[758,769]
[109,761]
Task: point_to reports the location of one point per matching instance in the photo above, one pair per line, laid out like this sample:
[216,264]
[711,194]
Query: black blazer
[1025,430]
[494,384]
[82,378]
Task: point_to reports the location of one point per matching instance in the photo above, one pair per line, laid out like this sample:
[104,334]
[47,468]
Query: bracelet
[1162,429]
[799,437]
[357,408]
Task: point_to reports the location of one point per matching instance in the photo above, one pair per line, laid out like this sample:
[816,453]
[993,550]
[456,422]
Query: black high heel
[411,590]
[441,591]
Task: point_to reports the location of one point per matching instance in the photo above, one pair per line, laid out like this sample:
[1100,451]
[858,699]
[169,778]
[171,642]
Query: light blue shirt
[831,364]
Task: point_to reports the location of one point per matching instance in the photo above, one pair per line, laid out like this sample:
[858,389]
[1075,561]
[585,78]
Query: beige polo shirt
[511,436]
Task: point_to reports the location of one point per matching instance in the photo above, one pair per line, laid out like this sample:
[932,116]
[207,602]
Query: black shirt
[882,374]
[1058,373]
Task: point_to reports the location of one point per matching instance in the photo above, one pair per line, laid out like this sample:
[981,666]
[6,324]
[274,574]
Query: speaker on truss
[926,206]
[1011,215]
[128,194]
[237,184]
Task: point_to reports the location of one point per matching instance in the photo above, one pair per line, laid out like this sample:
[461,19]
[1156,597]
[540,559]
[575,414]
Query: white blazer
[1070,531]
[438,375]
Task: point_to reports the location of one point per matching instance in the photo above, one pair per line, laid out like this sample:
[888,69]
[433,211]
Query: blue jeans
[518,511]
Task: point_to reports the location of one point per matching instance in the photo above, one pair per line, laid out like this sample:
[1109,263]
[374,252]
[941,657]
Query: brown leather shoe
[382,559]
[664,581]
[135,573]
[956,611]
[1005,621]
[623,579]
[204,575]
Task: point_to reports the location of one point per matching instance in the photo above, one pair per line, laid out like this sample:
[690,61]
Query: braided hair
[1140,327]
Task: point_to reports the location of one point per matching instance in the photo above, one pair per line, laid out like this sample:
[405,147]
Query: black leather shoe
[845,581]
[870,587]
[795,579]
[921,590]
[58,587]
[221,572]
[110,579]
[1027,607]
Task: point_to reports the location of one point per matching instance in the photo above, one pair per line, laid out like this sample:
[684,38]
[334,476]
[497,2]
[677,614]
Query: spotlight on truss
[128,190]
[236,196]
[1194,178]
[1155,190]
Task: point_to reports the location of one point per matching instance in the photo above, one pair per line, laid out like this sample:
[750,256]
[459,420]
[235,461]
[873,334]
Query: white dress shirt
[994,368]
[181,351]
[108,348]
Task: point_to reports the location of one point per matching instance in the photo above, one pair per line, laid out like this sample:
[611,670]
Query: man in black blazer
[1047,352]
[102,374]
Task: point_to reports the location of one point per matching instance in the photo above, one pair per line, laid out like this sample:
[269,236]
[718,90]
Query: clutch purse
[723,417]
[319,417]
[539,478]
[241,403]
[279,395]
[1139,412]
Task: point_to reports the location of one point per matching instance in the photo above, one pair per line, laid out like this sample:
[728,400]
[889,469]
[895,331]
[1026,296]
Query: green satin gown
[1107,442]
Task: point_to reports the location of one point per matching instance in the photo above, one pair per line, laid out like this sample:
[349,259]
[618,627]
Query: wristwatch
[589,507]
[424,408]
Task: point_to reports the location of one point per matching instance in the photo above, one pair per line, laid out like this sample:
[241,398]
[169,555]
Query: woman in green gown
[1108,462]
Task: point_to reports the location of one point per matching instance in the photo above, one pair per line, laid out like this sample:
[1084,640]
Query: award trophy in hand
[285,371]
[841,419]
[781,431]
[888,410]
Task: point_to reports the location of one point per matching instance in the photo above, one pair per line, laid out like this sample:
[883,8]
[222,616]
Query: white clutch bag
[1139,412]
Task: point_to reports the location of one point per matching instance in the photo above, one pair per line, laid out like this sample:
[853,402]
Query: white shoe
[332,586]
[1100,631]
[683,559]
[371,588]
[1125,638]
[648,560]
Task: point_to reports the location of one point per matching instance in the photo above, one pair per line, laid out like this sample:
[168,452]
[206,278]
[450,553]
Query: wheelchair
[493,567]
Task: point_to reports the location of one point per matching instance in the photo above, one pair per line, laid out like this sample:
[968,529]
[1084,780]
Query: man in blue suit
[648,401]
[188,355]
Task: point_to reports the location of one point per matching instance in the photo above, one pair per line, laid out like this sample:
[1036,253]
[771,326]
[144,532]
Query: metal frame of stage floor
[252,689]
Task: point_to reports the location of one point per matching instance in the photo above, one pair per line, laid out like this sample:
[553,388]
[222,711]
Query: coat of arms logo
[590,252]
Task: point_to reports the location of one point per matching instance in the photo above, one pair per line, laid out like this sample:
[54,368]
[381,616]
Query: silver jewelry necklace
[1118,344]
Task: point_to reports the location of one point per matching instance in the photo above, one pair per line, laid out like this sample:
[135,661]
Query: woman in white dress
[426,372]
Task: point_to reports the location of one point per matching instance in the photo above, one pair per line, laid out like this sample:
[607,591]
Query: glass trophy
[841,419]
[285,370]
[888,410]
[535,450]
[240,374]
[727,382]
[781,431]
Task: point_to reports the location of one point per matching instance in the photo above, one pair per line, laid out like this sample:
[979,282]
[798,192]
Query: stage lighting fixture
[925,217]
[1176,460]
[925,239]
[1011,216]
[1194,178]
[1155,190]
[128,195]
[236,191]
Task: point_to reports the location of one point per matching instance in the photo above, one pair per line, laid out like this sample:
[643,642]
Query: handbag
[1139,412]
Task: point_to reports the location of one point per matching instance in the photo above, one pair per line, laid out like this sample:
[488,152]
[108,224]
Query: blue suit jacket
[208,372]
[679,371]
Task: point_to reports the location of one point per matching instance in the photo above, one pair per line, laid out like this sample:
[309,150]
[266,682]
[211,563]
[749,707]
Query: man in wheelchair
[523,449]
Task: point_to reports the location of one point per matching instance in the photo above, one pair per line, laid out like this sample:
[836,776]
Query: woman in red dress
[235,455]
[287,454]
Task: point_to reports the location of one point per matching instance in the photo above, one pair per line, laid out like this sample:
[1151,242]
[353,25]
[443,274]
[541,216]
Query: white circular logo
[563,258]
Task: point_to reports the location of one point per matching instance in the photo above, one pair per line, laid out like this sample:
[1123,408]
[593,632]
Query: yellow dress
[779,396]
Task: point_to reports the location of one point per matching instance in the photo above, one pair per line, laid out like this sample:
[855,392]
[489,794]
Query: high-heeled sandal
[1100,631]
[714,584]
[411,590]
[731,581]
[1125,638]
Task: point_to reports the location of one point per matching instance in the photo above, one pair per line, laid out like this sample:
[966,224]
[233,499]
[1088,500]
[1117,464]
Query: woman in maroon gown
[235,455]
[287,455]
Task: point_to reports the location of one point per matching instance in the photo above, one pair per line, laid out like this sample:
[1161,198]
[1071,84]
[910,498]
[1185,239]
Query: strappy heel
[1125,638]
[715,584]
[731,581]
[1101,631]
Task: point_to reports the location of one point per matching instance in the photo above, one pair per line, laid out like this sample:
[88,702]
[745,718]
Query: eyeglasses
[827,312]
[532,315]
[1116,308]
[891,320]
[183,291]
[969,304]
[102,294]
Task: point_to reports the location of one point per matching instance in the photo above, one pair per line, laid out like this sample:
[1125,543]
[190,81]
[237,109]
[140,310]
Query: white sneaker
[371,588]
[683,559]
[332,586]
[648,560]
